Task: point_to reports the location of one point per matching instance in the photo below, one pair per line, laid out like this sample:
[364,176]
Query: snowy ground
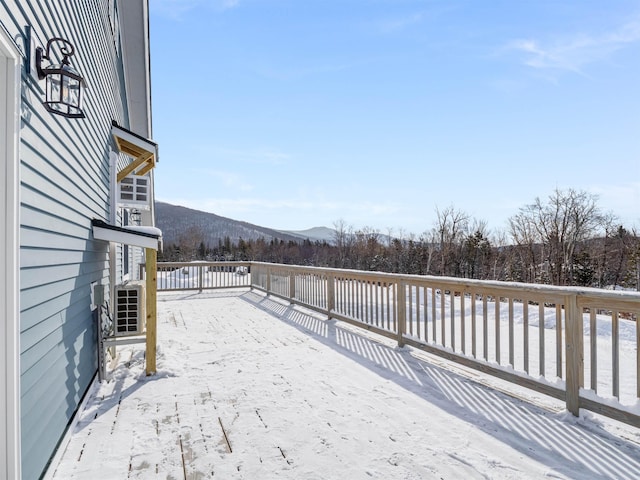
[250,388]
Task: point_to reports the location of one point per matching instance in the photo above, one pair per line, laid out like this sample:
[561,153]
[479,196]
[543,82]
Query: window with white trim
[134,191]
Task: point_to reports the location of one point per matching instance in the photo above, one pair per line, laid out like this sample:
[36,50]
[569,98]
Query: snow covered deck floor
[250,388]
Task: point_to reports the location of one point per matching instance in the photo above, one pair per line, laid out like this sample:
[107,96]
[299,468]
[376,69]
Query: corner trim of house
[10,62]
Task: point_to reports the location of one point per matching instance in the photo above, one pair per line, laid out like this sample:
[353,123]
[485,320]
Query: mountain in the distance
[322,234]
[176,221]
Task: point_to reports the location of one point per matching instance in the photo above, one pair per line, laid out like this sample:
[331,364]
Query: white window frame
[10,58]
[138,188]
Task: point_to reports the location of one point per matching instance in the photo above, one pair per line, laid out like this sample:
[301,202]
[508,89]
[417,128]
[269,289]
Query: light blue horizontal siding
[42,257]
[50,222]
[69,385]
[49,330]
[42,293]
[82,347]
[32,237]
[64,174]
[44,276]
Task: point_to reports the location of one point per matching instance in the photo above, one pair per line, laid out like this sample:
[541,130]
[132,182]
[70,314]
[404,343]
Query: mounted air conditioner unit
[134,191]
[130,313]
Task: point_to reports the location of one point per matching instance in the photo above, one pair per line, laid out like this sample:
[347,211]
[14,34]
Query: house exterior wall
[65,182]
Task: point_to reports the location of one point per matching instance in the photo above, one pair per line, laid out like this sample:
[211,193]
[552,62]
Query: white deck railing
[579,345]
[202,275]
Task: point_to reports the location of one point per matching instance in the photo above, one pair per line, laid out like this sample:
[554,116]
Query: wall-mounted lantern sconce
[64,84]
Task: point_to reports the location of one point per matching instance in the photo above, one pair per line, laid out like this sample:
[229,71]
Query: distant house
[62,169]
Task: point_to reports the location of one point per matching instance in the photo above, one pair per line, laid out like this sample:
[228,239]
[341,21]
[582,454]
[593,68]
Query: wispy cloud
[228,179]
[573,53]
[312,68]
[250,209]
[226,4]
[621,199]
[270,211]
[435,13]
[175,9]
[400,23]
[260,156]
[255,156]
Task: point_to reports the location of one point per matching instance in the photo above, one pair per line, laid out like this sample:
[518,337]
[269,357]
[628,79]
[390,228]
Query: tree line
[565,239]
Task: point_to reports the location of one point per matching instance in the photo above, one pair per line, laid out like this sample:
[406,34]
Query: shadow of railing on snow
[541,435]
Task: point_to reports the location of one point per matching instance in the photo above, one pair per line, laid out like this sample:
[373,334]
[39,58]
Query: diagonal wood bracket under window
[143,151]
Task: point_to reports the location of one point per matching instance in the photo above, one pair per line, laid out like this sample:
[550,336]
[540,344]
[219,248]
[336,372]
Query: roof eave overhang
[111,233]
[143,151]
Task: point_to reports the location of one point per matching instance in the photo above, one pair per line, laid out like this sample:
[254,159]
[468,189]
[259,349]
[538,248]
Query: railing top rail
[512,289]
[470,284]
[203,264]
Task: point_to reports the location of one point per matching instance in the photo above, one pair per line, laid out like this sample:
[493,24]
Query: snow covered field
[251,388]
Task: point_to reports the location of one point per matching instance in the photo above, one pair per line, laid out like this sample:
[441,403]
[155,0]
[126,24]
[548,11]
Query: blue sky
[292,114]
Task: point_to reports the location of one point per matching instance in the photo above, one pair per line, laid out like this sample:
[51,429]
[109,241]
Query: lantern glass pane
[53,88]
[73,92]
[65,89]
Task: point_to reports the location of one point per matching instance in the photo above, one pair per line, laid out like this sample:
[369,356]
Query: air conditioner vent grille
[130,303]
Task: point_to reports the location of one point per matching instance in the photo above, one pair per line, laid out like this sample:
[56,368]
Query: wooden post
[331,294]
[574,355]
[615,354]
[268,280]
[637,352]
[151,268]
[292,286]
[401,309]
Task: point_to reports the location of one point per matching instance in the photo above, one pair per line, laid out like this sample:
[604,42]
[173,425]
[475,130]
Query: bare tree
[189,242]
[366,248]
[557,226]
[429,241]
[451,227]
[633,272]
[525,235]
[501,254]
[476,250]
[344,238]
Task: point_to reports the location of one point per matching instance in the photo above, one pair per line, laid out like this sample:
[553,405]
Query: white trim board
[10,461]
[145,237]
